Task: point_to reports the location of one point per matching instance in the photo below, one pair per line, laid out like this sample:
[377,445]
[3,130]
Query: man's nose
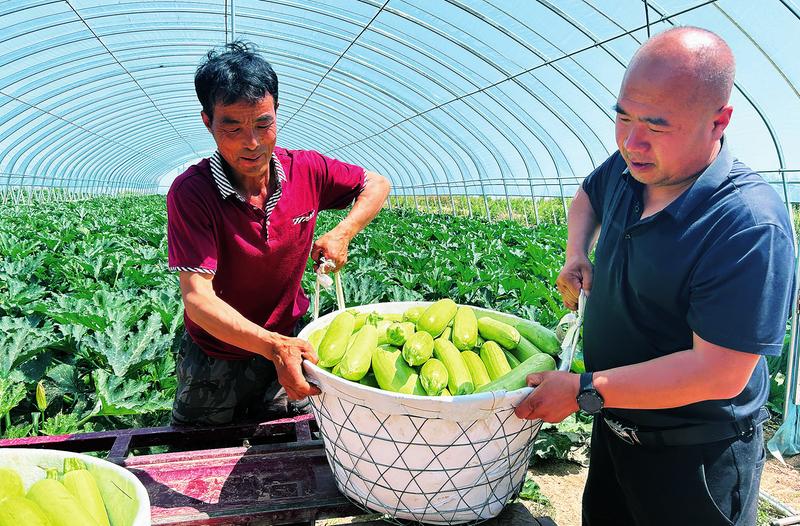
[250,139]
[635,140]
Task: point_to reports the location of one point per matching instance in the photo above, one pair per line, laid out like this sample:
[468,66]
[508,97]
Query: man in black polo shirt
[692,284]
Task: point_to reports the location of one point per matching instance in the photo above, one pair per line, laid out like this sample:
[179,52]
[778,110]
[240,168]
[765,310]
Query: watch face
[590,402]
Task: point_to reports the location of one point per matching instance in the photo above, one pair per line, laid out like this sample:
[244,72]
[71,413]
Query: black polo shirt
[718,261]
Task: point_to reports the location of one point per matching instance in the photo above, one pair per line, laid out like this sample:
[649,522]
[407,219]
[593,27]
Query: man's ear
[276,106]
[721,121]
[206,120]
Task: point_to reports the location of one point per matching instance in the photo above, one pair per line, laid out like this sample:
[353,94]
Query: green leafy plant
[89,309]
[567,440]
[532,492]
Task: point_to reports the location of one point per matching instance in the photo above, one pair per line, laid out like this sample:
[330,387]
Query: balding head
[672,108]
[697,58]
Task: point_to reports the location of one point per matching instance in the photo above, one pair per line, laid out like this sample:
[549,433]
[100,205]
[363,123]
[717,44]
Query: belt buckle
[626,433]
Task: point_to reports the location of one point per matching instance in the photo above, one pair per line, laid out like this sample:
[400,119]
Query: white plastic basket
[439,460]
[125,497]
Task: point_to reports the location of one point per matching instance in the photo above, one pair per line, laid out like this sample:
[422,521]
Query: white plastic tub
[124,495]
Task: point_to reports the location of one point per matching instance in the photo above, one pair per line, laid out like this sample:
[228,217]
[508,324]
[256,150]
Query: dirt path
[562,483]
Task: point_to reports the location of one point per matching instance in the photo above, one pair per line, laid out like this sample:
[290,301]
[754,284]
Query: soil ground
[562,482]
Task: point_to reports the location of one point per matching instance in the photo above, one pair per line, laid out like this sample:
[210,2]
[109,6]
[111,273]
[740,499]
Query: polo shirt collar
[223,182]
[706,184]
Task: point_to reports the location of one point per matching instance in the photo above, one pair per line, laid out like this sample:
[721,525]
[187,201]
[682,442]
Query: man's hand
[553,400]
[333,245]
[574,276]
[288,354]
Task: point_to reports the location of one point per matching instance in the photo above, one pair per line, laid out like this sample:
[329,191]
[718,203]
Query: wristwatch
[589,400]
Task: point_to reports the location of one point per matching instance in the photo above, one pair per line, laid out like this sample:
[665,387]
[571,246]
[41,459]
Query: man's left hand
[333,246]
[553,400]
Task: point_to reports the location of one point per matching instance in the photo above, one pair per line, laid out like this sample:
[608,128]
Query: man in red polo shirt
[240,231]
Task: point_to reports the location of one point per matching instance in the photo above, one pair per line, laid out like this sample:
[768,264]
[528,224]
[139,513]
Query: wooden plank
[274,483]
[282,478]
[282,430]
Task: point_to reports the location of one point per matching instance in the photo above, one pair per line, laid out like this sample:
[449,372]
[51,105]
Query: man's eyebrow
[265,118]
[230,120]
[655,121]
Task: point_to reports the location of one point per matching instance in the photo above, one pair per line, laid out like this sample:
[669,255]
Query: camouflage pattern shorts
[213,392]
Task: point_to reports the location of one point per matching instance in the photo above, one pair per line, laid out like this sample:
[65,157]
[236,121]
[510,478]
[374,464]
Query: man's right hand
[574,276]
[288,354]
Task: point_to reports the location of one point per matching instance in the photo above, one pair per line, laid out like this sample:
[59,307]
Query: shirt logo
[304,218]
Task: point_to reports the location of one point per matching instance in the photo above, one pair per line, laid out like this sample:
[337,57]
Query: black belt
[686,436]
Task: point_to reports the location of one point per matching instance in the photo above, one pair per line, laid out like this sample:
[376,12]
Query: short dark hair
[237,74]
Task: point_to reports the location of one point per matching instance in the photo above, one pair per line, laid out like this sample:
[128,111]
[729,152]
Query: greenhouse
[457,139]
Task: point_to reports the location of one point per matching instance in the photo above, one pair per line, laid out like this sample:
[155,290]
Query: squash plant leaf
[20,341]
[67,310]
[18,296]
[126,396]
[64,378]
[31,371]
[11,394]
[125,349]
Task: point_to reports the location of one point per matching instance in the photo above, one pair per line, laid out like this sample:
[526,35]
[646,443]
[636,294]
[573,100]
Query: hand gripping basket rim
[475,451]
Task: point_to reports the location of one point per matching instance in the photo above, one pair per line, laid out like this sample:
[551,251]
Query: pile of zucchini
[440,350]
[69,500]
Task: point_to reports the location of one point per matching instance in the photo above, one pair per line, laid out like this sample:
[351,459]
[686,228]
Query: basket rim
[313,371]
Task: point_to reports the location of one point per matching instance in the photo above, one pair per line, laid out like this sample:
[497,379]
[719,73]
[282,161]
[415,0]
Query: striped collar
[223,183]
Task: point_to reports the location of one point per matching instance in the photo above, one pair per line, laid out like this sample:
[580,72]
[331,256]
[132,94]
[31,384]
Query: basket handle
[324,280]
[570,341]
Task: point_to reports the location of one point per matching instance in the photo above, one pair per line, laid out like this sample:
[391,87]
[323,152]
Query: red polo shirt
[257,256]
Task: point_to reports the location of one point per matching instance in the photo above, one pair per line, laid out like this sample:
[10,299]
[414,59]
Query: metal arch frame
[143,178]
[108,160]
[398,162]
[74,150]
[128,73]
[463,98]
[448,65]
[384,73]
[122,108]
[365,93]
[45,111]
[514,115]
[55,120]
[332,66]
[77,146]
[460,44]
[579,136]
[564,74]
[332,123]
[542,102]
[357,89]
[596,44]
[416,67]
[117,13]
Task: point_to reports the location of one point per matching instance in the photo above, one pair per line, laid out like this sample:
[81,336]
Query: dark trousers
[214,392]
[703,485]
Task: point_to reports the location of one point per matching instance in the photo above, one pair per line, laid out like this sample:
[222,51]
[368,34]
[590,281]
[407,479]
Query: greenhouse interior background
[486,109]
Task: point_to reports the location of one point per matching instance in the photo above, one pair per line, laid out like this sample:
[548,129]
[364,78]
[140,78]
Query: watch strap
[586,383]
